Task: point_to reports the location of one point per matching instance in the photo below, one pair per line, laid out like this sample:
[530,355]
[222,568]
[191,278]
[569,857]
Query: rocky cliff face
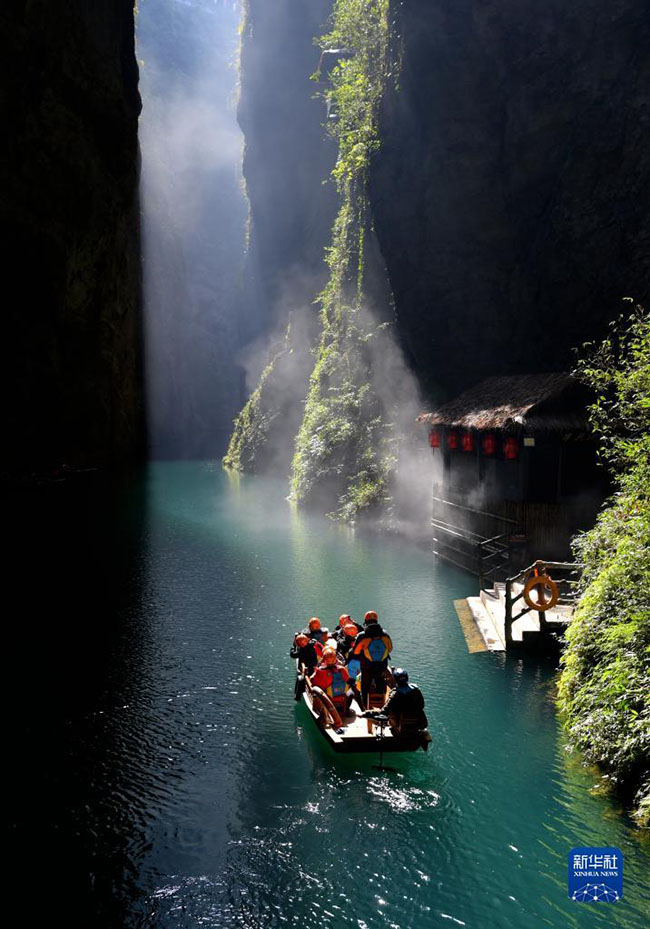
[510,192]
[508,197]
[287,163]
[287,157]
[69,206]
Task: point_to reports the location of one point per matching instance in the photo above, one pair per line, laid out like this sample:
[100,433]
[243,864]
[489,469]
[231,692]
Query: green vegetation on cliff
[252,424]
[605,681]
[262,438]
[343,445]
[329,398]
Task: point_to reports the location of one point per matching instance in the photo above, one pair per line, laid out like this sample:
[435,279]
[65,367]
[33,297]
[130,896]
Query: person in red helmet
[332,678]
[314,631]
[345,634]
[307,651]
[372,647]
[344,618]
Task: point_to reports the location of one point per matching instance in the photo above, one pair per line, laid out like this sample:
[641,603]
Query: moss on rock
[263,434]
[251,427]
[344,438]
[343,445]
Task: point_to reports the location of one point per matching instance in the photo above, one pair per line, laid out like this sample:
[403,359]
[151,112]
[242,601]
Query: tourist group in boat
[346,673]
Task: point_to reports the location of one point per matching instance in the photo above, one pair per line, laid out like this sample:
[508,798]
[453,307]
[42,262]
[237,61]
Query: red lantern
[511,448]
[489,444]
[452,440]
[434,438]
[467,442]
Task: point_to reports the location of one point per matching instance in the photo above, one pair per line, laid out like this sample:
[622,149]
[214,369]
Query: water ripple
[202,795]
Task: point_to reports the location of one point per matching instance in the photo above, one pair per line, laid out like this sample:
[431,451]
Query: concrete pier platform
[487,614]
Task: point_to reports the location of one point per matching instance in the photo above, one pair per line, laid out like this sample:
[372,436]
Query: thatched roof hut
[533,402]
[512,458]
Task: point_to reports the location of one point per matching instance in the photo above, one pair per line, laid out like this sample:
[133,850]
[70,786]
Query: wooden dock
[487,612]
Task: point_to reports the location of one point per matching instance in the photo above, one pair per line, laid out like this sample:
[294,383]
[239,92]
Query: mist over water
[194,216]
[401,401]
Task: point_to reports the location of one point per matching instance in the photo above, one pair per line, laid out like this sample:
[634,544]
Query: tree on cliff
[605,682]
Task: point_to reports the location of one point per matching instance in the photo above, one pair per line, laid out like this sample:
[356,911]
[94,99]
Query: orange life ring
[541,582]
[328,705]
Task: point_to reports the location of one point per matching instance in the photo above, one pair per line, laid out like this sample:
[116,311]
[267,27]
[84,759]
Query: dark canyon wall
[194,218]
[511,190]
[508,193]
[287,162]
[287,157]
[71,339]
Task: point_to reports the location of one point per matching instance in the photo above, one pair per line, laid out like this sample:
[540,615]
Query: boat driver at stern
[404,706]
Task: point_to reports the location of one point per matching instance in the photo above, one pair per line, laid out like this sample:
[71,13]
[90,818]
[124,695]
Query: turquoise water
[201,794]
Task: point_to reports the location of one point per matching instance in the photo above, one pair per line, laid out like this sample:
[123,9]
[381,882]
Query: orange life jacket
[333,681]
[376,649]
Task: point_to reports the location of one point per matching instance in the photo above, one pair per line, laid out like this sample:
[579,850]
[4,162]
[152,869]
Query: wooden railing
[477,541]
[565,575]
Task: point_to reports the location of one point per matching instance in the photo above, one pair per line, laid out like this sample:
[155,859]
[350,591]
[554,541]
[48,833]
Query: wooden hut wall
[478,479]
[549,527]
[502,479]
[580,470]
[462,471]
[544,469]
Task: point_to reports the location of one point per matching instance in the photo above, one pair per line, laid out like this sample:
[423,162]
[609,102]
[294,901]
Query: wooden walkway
[473,636]
[487,614]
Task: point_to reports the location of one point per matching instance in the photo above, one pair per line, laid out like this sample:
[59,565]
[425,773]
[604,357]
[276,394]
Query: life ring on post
[547,592]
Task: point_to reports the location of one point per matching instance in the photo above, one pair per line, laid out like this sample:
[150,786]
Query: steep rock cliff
[287,162]
[507,196]
[69,207]
[287,157]
[510,191]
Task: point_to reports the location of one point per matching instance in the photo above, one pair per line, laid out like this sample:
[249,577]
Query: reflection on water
[182,785]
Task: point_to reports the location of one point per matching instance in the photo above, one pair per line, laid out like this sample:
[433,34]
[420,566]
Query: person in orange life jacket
[404,701]
[345,634]
[307,651]
[344,620]
[314,631]
[333,678]
[373,647]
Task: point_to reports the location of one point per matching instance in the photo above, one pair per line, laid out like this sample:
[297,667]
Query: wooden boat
[356,733]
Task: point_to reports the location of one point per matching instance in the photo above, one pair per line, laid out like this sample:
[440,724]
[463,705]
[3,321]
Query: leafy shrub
[605,680]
